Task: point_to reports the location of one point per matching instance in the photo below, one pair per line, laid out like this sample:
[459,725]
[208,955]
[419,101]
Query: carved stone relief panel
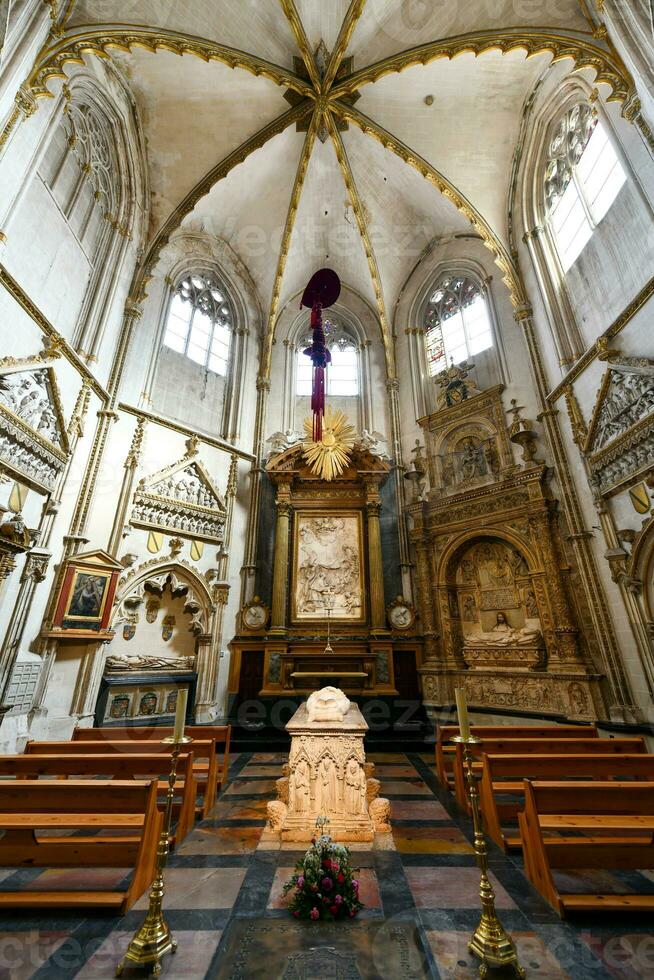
[33,439]
[181,498]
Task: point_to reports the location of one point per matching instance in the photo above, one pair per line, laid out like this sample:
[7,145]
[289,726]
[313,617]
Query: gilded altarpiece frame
[509,633]
[328,558]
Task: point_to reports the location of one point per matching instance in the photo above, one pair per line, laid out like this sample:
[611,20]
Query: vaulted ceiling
[404,129]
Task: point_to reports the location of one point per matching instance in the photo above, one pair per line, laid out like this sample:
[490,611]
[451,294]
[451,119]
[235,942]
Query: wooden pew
[31,806]
[579,825]
[445,752]
[205,771]
[504,775]
[33,766]
[221,734]
[540,746]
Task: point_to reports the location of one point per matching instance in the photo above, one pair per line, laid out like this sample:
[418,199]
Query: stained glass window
[457,324]
[200,322]
[342,373]
[582,180]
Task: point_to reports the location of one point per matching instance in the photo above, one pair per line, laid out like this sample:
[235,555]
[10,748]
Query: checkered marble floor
[420,885]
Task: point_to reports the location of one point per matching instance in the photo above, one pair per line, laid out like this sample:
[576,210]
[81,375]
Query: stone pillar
[207,660]
[131,465]
[280,566]
[425,605]
[34,572]
[375,569]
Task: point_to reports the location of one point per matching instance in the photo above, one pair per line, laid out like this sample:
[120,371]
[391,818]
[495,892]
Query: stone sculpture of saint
[300,788]
[354,785]
[327,786]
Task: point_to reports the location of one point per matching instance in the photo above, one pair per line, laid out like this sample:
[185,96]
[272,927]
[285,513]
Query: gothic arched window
[457,322]
[199,322]
[582,180]
[342,373]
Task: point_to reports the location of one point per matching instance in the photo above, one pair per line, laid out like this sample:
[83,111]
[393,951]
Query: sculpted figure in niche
[300,787]
[531,606]
[354,786]
[504,635]
[469,609]
[134,661]
[327,786]
[473,460]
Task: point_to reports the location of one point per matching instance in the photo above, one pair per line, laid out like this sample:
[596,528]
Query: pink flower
[355,884]
[314,913]
[336,866]
[338,899]
[300,882]
[327,884]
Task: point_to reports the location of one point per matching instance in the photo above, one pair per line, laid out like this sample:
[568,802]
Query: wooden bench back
[220,734]
[501,791]
[445,732]
[623,799]
[581,825]
[28,806]
[40,796]
[206,773]
[542,746]
[201,749]
[142,766]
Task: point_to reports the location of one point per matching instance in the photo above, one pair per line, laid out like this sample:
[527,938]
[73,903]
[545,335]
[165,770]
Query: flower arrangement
[324,885]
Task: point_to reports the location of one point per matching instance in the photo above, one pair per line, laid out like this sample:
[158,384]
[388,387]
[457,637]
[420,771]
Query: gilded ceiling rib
[206,183]
[502,257]
[298,184]
[350,21]
[357,207]
[607,66]
[302,41]
[99,40]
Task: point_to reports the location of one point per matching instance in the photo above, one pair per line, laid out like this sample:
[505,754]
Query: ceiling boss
[330,437]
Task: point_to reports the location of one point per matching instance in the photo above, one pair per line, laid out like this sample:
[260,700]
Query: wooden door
[251,679]
[406,674]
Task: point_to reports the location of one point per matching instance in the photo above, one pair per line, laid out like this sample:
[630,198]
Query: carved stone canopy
[132,599]
[182,498]
[620,440]
[33,440]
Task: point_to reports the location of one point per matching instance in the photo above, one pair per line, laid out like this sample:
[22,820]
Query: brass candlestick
[153,939]
[490,942]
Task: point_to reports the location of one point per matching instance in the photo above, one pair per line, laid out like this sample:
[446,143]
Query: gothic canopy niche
[33,439]
[620,441]
[467,440]
[181,498]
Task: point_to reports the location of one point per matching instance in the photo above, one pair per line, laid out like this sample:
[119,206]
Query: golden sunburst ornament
[329,457]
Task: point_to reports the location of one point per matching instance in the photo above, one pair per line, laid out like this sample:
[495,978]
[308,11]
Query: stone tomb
[327,774]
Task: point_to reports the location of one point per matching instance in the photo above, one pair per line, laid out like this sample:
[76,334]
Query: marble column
[375,568]
[280,565]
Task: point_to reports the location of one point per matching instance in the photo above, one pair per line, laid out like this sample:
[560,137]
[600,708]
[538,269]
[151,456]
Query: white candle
[180,715]
[462,711]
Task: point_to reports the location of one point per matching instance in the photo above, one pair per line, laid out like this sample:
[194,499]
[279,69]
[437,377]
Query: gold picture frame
[328,554]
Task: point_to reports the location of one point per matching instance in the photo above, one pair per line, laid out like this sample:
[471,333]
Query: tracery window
[342,373]
[582,180]
[200,322]
[457,322]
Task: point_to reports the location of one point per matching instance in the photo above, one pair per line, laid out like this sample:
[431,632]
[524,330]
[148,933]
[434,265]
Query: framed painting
[328,567]
[87,592]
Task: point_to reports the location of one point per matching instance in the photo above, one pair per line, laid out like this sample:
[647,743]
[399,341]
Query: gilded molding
[357,207]
[350,21]
[55,339]
[302,41]
[291,214]
[608,67]
[599,347]
[503,259]
[218,173]
[73,47]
